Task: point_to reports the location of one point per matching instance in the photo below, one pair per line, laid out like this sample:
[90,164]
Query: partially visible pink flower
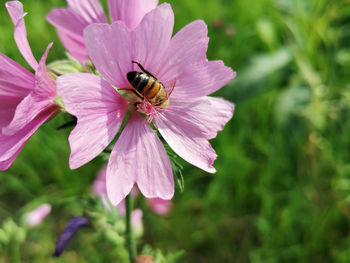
[26,99]
[99,189]
[36,216]
[99,185]
[187,123]
[160,206]
[70,22]
[136,221]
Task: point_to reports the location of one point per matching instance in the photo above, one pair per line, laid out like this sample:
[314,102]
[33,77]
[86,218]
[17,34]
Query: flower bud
[144,259]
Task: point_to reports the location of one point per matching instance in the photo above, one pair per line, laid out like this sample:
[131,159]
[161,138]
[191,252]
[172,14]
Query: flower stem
[16,258]
[129,236]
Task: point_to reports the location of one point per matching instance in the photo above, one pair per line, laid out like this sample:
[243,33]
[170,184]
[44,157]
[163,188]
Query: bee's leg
[160,102]
[172,88]
[145,71]
[138,94]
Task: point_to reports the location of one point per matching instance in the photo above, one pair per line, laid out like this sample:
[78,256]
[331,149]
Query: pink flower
[136,221]
[160,206]
[36,216]
[71,21]
[25,98]
[187,123]
[99,189]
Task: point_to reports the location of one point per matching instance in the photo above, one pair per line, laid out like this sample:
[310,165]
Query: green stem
[16,258]
[129,236]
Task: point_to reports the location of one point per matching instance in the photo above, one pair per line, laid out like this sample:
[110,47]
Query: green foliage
[282,188]
[159,257]
[176,166]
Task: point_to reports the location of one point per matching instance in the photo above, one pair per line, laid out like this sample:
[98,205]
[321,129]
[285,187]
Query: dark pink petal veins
[15,84]
[109,47]
[187,47]
[139,157]
[15,10]
[185,137]
[208,115]
[70,23]
[202,79]
[12,145]
[146,45]
[130,12]
[100,111]
[38,100]
[152,37]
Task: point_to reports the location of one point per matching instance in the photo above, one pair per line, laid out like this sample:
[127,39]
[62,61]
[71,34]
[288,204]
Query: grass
[282,188]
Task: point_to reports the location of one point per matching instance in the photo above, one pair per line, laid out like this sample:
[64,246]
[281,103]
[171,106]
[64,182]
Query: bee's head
[131,76]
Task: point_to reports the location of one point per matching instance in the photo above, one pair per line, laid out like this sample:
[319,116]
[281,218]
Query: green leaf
[176,166]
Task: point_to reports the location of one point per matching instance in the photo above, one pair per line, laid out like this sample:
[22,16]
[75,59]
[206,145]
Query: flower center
[148,109]
[149,90]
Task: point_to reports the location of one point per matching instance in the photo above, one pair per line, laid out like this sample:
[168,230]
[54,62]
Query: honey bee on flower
[146,86]
[186,123]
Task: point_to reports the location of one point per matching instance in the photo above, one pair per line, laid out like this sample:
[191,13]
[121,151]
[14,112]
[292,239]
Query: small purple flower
[71,228]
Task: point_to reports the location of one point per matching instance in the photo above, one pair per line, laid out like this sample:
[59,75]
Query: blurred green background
[282,188]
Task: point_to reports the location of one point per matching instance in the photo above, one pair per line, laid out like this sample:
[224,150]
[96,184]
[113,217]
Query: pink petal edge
[130,12]
[100,111]
[146,45]
[12,145]
[39,100]
[139,157]
[15,10]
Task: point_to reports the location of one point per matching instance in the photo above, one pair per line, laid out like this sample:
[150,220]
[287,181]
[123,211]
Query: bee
[146,86]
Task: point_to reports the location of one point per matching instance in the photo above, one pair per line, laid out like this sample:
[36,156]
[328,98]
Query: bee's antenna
[142,68]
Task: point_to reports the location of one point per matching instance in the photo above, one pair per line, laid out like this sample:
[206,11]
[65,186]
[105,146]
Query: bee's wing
[170,87]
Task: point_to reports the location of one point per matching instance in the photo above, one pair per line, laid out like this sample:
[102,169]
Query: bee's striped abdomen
[153,90]
[147,86]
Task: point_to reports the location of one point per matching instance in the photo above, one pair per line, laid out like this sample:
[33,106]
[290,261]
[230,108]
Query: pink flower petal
[109,48]
[187,47]
[160,206]
[202,79]
[77,16]
[182,131]
[15,80]
[36,216]
[130,12]
[139,157]
[146,45]
[152,37]
[70,23]
[15,10]
[100,111]
[90,10]
[37,101]
[7,110]
[74,45]
[207,114]
[12,145]
[15,83]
